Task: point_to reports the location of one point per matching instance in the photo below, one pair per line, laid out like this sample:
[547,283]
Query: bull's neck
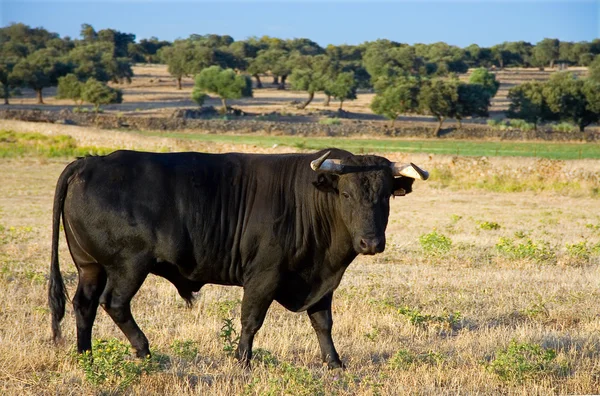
[331,227]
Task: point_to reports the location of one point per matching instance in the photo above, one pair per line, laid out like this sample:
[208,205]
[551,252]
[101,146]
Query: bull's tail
[56,288]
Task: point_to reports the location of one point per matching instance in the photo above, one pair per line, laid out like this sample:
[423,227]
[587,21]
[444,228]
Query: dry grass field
[480,290]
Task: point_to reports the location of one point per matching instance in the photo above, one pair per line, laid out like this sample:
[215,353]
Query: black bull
[268,223]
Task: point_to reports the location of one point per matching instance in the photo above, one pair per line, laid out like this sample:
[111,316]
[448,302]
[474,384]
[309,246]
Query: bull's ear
[402,185]
[327,182]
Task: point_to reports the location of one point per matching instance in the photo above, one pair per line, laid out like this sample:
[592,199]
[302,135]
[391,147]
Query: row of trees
[442,98]
[106,55]
[369,61]
[405,78]
[36,59]
[564,97]
[92,91]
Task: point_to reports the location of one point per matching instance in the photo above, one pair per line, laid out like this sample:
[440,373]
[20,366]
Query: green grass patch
[111,364]
[523,361]
[539,251]
[489,225]
[185,349]
[405,359]
[330,121]
[551,150]
[13,144]
[435,243]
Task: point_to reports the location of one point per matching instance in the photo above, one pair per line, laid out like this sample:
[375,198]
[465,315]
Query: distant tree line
[441,98]
[564,97]
[406,78]
[37,59]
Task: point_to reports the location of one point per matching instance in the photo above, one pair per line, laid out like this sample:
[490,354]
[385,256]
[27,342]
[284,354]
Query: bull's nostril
[363,244]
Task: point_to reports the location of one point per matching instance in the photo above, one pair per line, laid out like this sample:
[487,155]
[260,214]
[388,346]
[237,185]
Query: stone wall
[243,125]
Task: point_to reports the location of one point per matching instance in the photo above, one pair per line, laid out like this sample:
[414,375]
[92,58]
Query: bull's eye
[346,195]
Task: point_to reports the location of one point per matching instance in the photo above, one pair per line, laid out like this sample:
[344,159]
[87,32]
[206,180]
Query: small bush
[582,250]
[521,361]
[435,244]
[565,127]
[527,249]
[294,380]
[522,125]
[498,124]
[229,336]
[187,349]
[404,359]
[98,93]
[419,319]
[111,364]
[265,357]
[330,121]
[489,225]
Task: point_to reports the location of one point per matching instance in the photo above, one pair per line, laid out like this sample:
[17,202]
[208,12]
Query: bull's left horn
[409,170]
[327,165]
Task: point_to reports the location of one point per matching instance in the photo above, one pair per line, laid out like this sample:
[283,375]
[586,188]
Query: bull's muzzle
[371,245]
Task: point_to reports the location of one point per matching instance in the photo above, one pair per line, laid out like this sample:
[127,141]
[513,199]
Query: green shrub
[527,249]
[521,361]
[111,364]
[435,244]
[419,319]
[330,121]
[98,93]
[522,125]
[489,225]
[229,336]
[294,380]
[187,349]
[265,357]
[583,250]
[404,359]
[498,124]
[565,127]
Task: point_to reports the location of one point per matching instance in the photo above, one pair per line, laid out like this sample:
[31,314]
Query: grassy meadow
[549,150]
[490,283]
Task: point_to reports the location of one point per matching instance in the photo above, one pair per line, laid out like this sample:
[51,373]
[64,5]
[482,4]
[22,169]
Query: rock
[65,121]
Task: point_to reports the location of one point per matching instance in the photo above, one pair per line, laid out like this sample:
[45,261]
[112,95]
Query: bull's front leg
[322,322]
[258,296]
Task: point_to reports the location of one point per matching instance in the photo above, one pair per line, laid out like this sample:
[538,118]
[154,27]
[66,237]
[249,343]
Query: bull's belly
[297,294]
[214,270]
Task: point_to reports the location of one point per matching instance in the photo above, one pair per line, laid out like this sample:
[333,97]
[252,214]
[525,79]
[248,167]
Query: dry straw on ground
[431,315]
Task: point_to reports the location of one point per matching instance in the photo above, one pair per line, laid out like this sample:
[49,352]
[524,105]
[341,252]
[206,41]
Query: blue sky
[337,22]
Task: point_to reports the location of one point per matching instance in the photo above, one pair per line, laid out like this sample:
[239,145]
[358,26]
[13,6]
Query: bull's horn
[409,170]
[327,165]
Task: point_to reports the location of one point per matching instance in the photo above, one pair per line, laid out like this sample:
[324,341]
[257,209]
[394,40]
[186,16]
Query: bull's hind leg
[123,282]
[92,280]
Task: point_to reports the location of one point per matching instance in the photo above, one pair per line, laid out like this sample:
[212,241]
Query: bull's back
[130,202]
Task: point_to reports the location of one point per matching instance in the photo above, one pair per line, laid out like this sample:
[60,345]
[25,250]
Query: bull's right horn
[409,170]
[327,165]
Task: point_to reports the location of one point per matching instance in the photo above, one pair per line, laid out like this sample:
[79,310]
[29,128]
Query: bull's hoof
[335,365]
[244,364]
[336,374]
[143,354]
